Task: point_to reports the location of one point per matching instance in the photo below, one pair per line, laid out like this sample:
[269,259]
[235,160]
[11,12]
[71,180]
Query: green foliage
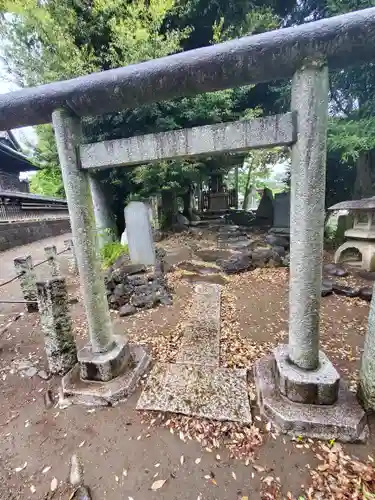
[350,137]
[111,251]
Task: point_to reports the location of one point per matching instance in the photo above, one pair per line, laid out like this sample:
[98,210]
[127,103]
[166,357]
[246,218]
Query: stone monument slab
[139,233]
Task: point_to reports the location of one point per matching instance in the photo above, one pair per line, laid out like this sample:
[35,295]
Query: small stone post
[69,246]
[51,255]
[139,232]
[106,355]
[308,169]
[24,268]
[104,219]
[366,390]
[56,323]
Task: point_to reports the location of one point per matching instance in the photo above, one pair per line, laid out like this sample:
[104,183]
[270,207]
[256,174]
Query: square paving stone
[213,393]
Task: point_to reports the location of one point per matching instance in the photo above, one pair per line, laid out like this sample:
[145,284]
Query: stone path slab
[213,393]
[200,344]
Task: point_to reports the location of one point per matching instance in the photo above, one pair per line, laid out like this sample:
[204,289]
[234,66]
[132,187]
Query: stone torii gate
[298,387]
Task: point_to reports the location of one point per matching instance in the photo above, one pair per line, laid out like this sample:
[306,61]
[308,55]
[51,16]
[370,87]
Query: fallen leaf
[125,472]
[258,468]
[46,469]
[54,484]
[234,476]
[32,489]
[182,460]
[117,479]
[18,469]
[81,444]
[158,484]
[218,457]
[207,476]
[198,460]
[157,465]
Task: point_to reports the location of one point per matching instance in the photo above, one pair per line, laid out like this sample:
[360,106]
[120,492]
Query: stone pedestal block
[104,366]
[107,393]
[319,387]
[344,421]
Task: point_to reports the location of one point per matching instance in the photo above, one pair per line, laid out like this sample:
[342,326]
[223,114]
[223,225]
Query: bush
[111,251]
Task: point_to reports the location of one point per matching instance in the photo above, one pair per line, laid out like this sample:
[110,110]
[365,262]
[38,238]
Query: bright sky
[23,135]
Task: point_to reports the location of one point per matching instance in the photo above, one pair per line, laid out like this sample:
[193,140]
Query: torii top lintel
[341,41]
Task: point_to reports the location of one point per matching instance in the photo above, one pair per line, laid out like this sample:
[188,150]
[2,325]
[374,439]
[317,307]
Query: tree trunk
[365,172]
[169,209]
[247,190]
[188,205]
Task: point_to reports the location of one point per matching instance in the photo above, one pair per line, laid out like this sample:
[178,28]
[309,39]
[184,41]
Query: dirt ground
[122,455]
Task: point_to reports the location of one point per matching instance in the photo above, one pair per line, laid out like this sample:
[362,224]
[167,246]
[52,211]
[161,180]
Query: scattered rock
[76,471]
[277,241]
[127,310]
[365,293]
[347,291]
[158,235]
[212,255]
[147,301]
[285,261]
[30,372]
[165,300]
[261,257]
[366,275]
[326,287]
[279,250]
[44,375]
[236,264]
[335,270]
[182,220]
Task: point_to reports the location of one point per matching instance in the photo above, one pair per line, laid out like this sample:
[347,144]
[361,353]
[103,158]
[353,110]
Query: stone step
[201,391]
[200,344]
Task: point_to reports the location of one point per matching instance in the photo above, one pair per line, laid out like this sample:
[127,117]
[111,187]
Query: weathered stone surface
[106,393]
[56,323]
[104,366]
[147,301]
[310,88]
[200,343]
[182,220]
[51,256]
[335,270]
[27,279]
[343,421]
[365,293]
[366,275]
[279,250]
[127,310]
[318,387]
[206,392]
[212,255]
[327,288]
[68,133]
[347,291]
[277,241]
[366,390]
[139,233]
[264,213]
[236,264]
[262,257]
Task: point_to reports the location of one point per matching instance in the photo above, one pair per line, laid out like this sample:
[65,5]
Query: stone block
[202,391]
[111,392]
[319,387]
[343,421]
[104,366]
